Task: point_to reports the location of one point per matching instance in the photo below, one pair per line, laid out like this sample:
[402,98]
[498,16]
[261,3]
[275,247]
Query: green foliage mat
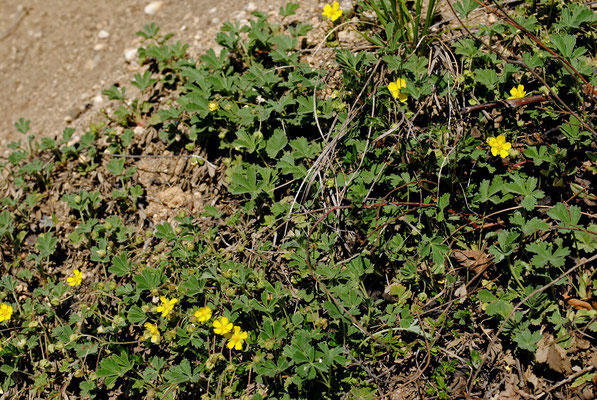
[416,221]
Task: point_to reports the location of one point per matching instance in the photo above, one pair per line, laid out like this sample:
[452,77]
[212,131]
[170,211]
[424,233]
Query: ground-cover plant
[404,225]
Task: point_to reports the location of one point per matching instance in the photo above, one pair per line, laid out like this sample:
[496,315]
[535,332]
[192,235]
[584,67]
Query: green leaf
[574,15]
[194,285]
[144,81]
[136,315]
[500,308]
[120,265]
[181,373]
[527,340]
[564,44]
[487,77]
[465,7]
[113,367]
[276,143]
[244,181]
[165,231]
[287,165]
[244,140]
[116,166]
[46,244]
[525,188]
[544,255]
[114,94]
[566,217]
[148,279]
[22,125]
[289,9]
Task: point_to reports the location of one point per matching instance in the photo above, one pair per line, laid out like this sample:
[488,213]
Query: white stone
[250,7]
[139,130]
[98,99]
[103,34]
[130,55]
[212,10]
[99,46]
[153,7]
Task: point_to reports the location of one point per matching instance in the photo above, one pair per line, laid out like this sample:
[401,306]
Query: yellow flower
[167,306]
[5,312]
[75,279]
[203,314]
[237,338]
[394,88]
[152,332]
[517,92]
[213,106]
[222,326]
[332,12]
[499,146]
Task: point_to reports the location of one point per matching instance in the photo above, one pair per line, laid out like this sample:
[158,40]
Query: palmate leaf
[182,373]
[120,265]
[113,367]
[276,143]
[525,188]
[566,217]
[527,340]
[544,255]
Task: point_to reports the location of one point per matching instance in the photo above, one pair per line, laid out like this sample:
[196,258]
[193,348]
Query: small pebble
[130,55]
[102,34]
[98,99]
[215,21]
[153,7]
[212,10]
[99,46]
[139,130]
[250,7]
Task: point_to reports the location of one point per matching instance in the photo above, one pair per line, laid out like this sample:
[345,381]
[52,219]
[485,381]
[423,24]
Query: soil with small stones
[57,56]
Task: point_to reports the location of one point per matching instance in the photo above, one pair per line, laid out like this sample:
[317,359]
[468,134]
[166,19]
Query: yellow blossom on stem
[203,314]
[152,332]
[75,279]
[222,326]
[5,312]
[499,146]
[167,306]
[236,339]
[517,92]
[395,87]
[332,12]
[213,106]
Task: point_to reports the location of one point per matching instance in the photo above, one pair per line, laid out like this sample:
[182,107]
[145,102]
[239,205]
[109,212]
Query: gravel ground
[56,56]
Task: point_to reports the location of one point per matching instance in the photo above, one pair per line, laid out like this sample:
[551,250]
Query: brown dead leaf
[579,304]
[548,351]
[477,260]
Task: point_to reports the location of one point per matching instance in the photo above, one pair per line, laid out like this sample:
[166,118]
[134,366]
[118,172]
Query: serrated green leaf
[527,340]
[276,143]
[120,265]
[566,216]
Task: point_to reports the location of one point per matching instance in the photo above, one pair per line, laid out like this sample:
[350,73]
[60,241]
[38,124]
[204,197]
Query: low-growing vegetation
[415,221]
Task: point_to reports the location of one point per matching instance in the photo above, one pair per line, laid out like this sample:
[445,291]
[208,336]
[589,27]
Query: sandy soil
[56,56]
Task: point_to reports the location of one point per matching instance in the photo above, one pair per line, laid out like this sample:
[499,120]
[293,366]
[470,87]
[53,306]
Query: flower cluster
[167,306]
[152,332]
[499,146]
[332,12]
[203,314]
[395,89]
[75,279]
[517,92]
[234,334]
[5,312]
